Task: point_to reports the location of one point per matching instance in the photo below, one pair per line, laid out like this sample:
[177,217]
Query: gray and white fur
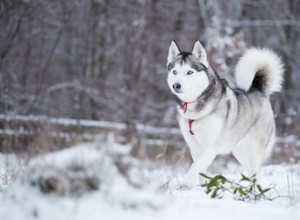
[224,119]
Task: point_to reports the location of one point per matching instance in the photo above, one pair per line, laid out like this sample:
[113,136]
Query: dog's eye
[190,72]
[174,72]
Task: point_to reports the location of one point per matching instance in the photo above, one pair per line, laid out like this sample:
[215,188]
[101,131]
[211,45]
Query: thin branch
[266,23]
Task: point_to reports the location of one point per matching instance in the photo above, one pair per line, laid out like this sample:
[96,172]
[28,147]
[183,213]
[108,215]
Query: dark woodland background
[106,60]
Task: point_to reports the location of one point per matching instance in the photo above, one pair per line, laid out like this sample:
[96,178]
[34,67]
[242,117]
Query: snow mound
[102,181]
[73,172]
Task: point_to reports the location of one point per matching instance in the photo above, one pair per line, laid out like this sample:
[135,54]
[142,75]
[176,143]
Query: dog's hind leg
[250,154]
[254,149]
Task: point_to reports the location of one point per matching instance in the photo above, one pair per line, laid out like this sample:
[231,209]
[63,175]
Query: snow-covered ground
[101,181]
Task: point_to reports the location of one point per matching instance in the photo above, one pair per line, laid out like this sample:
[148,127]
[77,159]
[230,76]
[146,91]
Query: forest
[106,60]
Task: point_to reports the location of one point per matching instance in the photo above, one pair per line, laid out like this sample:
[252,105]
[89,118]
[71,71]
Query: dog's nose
[176,87]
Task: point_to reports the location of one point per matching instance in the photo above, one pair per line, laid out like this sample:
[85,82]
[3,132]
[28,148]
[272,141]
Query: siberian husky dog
[217,119]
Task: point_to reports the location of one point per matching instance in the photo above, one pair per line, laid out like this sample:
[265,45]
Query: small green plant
[246,189]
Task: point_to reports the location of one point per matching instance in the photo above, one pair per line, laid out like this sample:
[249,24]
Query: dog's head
[188,72]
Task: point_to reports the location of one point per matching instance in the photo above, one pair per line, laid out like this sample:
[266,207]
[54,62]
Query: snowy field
[102,182]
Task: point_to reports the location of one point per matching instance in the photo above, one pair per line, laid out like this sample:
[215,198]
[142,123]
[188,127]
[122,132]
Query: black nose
[176,86]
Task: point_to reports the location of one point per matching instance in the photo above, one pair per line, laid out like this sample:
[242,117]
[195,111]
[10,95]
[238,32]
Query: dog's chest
[206,131]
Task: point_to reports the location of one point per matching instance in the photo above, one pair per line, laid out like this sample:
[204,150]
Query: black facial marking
[198,66]
[185,55]
[170,66]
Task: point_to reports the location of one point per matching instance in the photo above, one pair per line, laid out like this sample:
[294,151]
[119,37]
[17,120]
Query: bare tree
[101,59]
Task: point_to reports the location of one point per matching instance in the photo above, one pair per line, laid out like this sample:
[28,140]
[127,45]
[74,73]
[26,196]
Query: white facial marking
[192,83]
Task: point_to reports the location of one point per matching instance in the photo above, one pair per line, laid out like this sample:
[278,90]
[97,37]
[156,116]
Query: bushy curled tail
[261,69]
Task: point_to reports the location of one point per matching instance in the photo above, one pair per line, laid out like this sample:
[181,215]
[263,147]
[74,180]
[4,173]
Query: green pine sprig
[246,189]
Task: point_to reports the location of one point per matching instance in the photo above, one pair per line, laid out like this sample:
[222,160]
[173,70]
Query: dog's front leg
[192,177]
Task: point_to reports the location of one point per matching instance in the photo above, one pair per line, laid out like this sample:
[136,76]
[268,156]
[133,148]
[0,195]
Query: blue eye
[190,72]
[174,72]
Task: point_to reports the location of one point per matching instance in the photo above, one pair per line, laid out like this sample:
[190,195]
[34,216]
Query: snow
[126,188]
[10,166]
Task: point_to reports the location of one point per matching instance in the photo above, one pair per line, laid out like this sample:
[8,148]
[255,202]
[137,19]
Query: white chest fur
[207,133]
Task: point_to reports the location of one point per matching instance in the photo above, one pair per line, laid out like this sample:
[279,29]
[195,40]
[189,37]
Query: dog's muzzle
[177,87]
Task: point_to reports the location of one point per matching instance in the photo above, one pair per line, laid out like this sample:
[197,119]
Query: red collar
[185,104]
[184,107]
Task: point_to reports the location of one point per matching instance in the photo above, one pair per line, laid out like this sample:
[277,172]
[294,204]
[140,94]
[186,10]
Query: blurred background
[71,69]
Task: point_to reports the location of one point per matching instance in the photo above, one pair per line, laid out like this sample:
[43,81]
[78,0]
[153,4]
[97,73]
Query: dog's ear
[199,52]
[173,51]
